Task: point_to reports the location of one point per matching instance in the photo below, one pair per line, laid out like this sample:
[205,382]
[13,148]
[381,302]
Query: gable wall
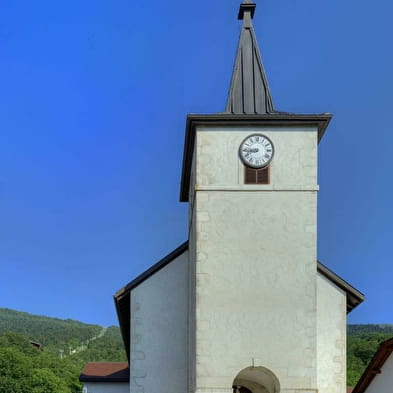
[159,330]
[383,383]
[331,337]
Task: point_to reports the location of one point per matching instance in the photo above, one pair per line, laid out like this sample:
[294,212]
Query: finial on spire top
[249,92]
[247,5]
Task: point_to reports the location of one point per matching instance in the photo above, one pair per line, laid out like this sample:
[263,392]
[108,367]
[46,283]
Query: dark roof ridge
[354,297]
[122,296]
[153,269]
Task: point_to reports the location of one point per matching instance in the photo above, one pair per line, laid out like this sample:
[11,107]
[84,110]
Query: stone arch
[256,380]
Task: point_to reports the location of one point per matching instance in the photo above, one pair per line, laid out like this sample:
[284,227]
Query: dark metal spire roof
[249,92]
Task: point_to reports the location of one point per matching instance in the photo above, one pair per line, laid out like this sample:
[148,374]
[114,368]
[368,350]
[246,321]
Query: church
[243,306]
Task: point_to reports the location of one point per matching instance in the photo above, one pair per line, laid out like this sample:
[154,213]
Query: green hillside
[362,343]
[51,332]
[364,329]
[67,346]
[108,348]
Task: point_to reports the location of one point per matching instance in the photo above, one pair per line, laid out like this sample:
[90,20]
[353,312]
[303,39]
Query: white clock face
[256,151]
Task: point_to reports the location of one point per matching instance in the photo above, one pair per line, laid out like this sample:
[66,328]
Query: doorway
[256,380]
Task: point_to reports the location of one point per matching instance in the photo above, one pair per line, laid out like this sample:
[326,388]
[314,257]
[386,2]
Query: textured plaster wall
[383,383]
[294,165]
[191,282]
[107,387]
[331,337]
[255,262]
[192,307]
[159,339]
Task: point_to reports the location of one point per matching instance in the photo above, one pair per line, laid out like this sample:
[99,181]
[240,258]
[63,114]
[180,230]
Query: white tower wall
[254,259]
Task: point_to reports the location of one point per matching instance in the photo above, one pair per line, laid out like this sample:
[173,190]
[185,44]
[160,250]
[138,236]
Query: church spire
[249,92]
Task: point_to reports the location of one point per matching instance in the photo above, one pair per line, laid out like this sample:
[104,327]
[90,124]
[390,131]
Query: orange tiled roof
[105,372]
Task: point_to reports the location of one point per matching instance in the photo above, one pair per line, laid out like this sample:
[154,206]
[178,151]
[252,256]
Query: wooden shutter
[256,176]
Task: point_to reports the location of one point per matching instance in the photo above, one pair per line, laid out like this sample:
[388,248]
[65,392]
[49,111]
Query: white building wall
[383,383]
[159,320]
[192,283]
[331,337]
[106,387]
[256,261]
[294,165]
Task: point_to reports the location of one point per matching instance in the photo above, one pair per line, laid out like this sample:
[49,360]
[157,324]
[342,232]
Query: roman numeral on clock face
[256,151]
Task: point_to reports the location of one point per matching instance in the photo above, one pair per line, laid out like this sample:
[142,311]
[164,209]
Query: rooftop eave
[354,297]
[320,121]
[103,379]
[122,296]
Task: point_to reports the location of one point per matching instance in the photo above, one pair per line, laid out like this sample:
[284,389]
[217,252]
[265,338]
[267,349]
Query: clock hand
[254,150]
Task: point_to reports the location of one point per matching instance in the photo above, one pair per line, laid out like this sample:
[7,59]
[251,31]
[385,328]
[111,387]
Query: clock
[256,151]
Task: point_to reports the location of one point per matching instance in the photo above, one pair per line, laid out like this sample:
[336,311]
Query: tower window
[256,176]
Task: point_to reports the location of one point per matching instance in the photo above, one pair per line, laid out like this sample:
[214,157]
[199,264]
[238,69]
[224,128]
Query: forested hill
[362,343]
[54,368]
[50,332]
[364,329]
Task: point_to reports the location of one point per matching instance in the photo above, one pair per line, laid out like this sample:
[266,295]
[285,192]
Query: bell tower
[250,178]
[243,306]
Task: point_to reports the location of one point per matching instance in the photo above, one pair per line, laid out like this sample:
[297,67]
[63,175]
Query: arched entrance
[256,380]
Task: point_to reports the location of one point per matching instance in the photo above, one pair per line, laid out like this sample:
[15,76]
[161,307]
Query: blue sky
[93,101]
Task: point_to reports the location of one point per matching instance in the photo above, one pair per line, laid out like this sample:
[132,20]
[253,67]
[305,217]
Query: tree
[45,381]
